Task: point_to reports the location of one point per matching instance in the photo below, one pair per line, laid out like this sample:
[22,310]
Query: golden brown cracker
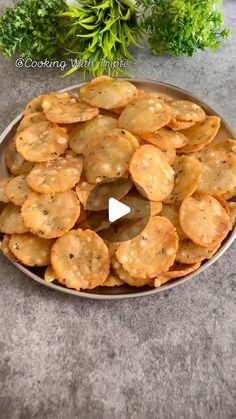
[6,250]
[218,172]
[186,111]
[149,170]
[57,175]
[42,142]
[80,259]
[144,116]
[166,139]
[152,252]
[50,215]
[107,158]
[171,212]
[108,93]
[62,108]
[84,132]
[126,277]
[29,120]
[35,105]
[31,250]
[188,175]
[15,162]
[201,134]
[177,271]
[190,252]
[204,220]
[17,190]
[11,221]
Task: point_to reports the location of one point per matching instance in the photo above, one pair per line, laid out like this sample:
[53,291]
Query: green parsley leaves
[32,29]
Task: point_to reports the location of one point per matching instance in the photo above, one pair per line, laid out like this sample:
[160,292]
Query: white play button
[117,210]
[123,205]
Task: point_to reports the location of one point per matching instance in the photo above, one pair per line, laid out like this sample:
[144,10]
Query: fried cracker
[188,175]
[144,116]
[85,132]
[204,220]
[108,93]
[42,142]
[50,215]
[57,175]
[107,158]
[80,259]
[151,252]
[62,108]
[11,221]
[31,250]
[150,170]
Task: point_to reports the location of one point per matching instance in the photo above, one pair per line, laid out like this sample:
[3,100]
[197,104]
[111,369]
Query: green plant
[100,29]
[32,29]
[181,27]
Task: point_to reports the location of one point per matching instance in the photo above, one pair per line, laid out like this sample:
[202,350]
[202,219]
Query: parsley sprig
[32,29]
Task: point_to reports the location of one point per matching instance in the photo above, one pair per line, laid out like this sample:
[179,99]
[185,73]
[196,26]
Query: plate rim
[153,291]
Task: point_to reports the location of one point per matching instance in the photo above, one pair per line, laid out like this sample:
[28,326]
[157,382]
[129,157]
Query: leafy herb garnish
[32,29]
[100,29]
[179,27]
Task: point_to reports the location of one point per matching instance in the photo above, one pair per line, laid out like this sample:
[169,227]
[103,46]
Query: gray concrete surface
[168,356]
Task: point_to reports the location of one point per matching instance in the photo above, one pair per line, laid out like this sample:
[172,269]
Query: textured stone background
[168,356]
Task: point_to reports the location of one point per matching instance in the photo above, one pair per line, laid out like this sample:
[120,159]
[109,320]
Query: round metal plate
[116,293]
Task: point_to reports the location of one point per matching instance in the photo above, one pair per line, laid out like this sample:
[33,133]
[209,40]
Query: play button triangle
[117,210]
